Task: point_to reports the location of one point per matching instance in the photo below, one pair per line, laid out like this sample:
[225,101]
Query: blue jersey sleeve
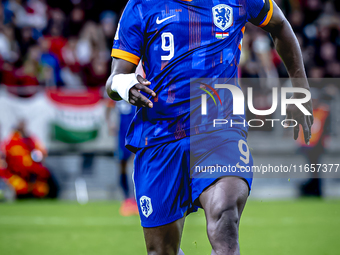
[259,12]
[129,36]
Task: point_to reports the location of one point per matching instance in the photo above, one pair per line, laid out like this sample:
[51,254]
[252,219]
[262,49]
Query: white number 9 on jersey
[170,47]
[245,153]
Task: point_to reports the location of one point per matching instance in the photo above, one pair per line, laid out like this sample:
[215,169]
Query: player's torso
[182,41]
[182,38]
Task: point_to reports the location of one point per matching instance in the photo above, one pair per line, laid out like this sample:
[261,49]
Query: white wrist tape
[122,83]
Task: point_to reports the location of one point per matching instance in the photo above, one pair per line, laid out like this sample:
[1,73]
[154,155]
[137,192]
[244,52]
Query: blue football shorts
[170,177]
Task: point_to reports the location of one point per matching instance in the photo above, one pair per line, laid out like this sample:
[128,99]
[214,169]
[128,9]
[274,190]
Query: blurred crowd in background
[316,24]
[67,44]
[57,43]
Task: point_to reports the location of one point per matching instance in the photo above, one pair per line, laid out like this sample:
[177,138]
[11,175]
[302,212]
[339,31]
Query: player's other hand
[136,97]
[306,121]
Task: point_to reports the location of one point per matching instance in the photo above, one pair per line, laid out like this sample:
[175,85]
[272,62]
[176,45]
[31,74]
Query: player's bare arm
[135,97]
[288,48]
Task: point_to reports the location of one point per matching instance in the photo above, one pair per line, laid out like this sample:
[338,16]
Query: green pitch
[45,227]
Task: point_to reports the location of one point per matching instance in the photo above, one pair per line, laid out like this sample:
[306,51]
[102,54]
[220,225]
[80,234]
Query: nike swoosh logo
[158,21]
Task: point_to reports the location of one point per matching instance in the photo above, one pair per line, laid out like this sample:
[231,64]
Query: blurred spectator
[26,40]
[316,147]
[312,10]
[36,14]
[108,22]
[91,37]
[23,81]
[32,13]
[76,22]
[24,169]
[50,73]
[71,71]
[265,55]
[56,39]
[9,47]
[57,17]
[97,71]
[28,74]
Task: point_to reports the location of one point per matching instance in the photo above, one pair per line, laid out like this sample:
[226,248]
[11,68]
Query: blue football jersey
[185,48]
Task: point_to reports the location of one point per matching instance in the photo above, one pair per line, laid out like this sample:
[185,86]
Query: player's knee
[225,211]
[223,222]
[223,231]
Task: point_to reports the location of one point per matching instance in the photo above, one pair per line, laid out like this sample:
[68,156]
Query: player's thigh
[228,194]
[164,239]
[230,182]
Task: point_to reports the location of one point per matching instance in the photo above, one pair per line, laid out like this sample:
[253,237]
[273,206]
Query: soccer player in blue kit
[179,41]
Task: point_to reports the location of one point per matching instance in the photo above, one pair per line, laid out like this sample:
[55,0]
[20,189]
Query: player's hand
[306,121]
[136,97]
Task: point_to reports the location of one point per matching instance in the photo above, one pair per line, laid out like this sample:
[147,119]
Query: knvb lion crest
[223,16]
[146,206]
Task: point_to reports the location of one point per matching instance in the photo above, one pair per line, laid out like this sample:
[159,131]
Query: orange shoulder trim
[269,15]
[125,55]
